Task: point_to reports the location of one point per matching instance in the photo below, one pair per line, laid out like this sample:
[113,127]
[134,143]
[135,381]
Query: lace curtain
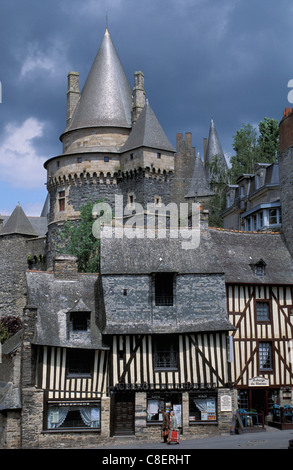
[57,416]
[90,416]
[201,404]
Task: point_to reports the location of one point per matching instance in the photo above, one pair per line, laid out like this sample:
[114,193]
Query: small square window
[262,311]
[80,321]
[79,159]
[79,362]
[131,156]
[106,159]
[159,155]
[165,352]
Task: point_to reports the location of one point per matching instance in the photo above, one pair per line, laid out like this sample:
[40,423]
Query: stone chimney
[138,96]
[65,267]
[72,95]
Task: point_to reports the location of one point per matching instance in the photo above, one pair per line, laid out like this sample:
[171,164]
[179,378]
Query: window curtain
[57,416]
[201,404]
[90,416]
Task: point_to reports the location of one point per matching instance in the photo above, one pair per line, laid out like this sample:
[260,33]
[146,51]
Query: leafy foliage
[253,147]
[77,239]
[218,183]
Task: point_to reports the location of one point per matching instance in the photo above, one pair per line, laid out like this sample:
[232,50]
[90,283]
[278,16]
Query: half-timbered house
[166,324]
[259,282]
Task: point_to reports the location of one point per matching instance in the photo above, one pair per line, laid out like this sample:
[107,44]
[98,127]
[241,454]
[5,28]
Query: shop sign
[258,382]
[226,403]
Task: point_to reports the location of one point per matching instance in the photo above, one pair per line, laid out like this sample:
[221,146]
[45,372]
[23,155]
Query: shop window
[262,310]
[243,399]
[165,352]
[74,416]
[79,362]
[265,356]
[202,407]
[157,403]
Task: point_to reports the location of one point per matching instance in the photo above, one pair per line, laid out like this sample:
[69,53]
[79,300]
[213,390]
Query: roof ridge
[220,229]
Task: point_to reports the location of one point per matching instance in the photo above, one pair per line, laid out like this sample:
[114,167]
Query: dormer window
[80,321]
[259,267]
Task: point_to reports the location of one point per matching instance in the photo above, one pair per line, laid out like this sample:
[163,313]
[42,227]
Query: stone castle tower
[113,144]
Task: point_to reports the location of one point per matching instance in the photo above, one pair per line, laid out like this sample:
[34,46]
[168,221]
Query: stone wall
[286,193]
[184,167]
[286,175]
[14,253]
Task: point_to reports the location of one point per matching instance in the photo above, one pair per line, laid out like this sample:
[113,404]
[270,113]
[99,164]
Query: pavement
[271,438]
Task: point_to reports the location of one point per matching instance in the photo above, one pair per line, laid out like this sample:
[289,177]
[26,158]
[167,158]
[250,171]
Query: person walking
[173,425]
[166,425]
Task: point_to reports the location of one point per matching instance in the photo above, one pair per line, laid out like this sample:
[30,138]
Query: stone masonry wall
[286,193]
[14,252]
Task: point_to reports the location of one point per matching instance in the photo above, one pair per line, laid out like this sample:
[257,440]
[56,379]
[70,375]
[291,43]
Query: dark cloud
[201,58]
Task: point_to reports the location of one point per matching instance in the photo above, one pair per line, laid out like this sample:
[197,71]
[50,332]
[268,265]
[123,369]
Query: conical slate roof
[18,223]
[214,147]
[106,98]
[147,132]
[199,185]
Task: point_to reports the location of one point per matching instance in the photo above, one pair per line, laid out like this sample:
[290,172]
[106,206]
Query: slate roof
[147,132]
[199,185]
[239,251]
[141,256]
[144,257]
[214,146]
[55,299]
[106,98]
[18,223]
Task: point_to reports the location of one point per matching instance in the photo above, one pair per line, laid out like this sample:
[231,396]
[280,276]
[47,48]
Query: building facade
[200,325]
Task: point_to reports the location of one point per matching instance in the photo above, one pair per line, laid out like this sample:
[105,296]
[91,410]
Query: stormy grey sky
[226,59]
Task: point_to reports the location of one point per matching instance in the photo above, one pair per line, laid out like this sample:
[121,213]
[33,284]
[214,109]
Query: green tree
[77,239]
[245,146]
[254,146]
[268,140]
[218,184]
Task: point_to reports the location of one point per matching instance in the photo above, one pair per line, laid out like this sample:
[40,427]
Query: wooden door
[124,414]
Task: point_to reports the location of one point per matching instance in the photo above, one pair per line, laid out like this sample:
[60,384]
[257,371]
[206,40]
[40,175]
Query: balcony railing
[166,360]
[164,300]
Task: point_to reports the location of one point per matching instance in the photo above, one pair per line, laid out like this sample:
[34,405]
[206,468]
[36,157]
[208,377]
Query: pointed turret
[214,149]
[18,224]
[147,132]
[199,186]
[106,98]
